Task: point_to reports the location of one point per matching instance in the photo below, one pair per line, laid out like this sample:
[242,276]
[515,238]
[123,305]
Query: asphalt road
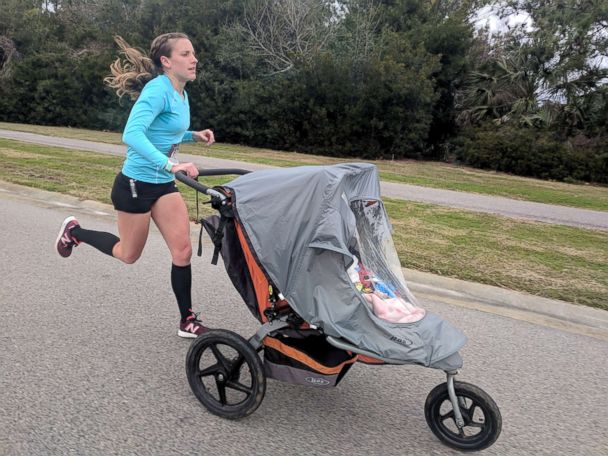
[507,207]
[90,364]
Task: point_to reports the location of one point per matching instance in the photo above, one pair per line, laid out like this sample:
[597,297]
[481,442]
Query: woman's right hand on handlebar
[189,168]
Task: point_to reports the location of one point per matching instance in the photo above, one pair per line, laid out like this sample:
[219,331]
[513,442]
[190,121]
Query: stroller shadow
[362,412]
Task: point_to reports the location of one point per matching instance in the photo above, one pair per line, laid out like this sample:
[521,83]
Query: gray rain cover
[302,228]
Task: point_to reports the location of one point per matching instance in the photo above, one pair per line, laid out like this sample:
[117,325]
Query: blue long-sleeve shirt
[158,121]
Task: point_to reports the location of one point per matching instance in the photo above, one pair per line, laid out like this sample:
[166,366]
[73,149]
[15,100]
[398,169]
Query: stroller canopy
[309,227]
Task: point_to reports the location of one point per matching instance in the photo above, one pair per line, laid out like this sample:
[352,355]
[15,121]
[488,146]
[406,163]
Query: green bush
[534,153]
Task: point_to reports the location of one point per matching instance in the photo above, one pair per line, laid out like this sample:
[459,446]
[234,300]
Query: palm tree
[504,90]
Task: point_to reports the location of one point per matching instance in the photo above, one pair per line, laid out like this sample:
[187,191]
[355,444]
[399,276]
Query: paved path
[90,364]
[490,204]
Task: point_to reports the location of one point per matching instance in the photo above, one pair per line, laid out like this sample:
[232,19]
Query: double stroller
[310,251]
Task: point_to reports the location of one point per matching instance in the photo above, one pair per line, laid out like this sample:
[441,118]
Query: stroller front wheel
[225,374]
[482,419]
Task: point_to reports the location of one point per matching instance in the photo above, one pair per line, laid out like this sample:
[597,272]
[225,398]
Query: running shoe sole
[186,334]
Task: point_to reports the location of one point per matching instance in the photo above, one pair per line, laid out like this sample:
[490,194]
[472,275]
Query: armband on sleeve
[169,165]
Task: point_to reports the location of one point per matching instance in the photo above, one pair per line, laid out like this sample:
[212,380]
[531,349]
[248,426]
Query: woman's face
[182,63]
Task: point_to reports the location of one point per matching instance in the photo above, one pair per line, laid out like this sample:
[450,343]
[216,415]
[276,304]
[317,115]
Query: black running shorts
[137,197]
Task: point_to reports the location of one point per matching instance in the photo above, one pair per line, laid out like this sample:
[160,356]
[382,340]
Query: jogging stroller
[310,251]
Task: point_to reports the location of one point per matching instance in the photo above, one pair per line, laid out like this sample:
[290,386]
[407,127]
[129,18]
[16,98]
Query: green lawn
[428,174]
[548,260]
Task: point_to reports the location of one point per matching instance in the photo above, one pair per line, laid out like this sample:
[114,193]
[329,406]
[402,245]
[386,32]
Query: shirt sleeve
[147,107]
[187,137]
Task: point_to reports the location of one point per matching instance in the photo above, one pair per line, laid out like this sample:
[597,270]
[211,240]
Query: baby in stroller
[382,298]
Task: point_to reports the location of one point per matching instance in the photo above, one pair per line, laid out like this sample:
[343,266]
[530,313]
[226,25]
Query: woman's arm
[147,107]
[205,136]
[198,136]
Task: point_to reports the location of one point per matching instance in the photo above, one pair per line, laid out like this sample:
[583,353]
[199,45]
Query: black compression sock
[181,282]
[102,241]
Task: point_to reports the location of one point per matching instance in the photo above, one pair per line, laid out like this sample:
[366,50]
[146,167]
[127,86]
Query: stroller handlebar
[222,172]
[183,177]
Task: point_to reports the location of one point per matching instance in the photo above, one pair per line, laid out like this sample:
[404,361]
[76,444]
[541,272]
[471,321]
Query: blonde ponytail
[130,74]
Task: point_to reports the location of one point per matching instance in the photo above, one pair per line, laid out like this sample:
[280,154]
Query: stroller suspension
[456,402]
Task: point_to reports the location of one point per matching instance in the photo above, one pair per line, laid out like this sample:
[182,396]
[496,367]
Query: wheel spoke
[235,366]
[447,416]
[475,424]
[220,357]
[221,389]
[211,370]
[472,410]
[470,415]
[239,387]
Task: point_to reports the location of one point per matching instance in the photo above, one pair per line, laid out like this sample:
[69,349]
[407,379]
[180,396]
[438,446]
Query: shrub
[534,153]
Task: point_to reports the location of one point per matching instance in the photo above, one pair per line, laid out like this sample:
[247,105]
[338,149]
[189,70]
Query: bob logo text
[317,381]
[405,342]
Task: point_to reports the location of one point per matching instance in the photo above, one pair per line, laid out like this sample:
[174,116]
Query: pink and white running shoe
[65,241]
[192,327]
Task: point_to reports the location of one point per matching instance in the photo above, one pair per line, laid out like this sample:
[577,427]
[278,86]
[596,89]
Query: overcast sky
[487,16]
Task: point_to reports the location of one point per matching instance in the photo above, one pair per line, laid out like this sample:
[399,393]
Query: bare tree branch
[287,33]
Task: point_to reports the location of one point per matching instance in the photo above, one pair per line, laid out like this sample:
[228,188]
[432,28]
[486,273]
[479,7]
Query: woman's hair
[131,73]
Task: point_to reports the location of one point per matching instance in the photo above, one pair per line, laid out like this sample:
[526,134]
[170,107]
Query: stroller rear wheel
[226,374]
[482,419]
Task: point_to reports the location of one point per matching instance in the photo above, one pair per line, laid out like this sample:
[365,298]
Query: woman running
[145,188]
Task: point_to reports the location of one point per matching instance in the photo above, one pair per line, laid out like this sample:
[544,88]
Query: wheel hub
[465,417]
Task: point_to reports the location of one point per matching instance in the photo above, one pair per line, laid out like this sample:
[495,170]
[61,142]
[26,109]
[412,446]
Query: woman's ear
[165,62]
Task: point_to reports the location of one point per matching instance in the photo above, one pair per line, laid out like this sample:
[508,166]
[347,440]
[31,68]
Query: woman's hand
[189,168]
[205,136]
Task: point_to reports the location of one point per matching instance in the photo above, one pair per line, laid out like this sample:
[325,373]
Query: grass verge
[547,260]
[427,174]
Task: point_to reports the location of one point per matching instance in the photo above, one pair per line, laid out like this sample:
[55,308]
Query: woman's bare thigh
[133,232]
[170,215]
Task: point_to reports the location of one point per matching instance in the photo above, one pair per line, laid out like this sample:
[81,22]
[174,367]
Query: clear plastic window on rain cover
[376,270]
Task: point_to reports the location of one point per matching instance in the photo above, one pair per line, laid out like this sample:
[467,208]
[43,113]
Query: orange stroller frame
[228,376]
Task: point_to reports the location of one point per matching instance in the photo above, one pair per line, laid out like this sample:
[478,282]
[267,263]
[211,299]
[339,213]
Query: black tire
[482,419]
[226,374]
